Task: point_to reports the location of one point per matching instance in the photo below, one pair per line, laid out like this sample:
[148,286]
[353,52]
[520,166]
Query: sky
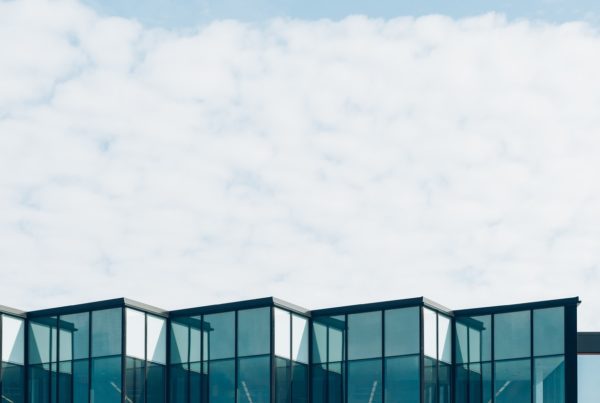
[320,158]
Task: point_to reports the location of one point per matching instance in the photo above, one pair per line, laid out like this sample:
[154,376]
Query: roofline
[588,342]
[516,307]
[98,305]
[12,311]
[371,306]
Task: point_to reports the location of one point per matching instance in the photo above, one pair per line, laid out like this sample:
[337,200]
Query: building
[267,350]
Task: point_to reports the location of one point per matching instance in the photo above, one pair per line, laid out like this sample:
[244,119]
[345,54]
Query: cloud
[324,162]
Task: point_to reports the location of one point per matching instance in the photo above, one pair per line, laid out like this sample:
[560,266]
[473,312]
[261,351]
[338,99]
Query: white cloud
[322,162]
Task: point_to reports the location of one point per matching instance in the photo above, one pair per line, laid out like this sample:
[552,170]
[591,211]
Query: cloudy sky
[325,161]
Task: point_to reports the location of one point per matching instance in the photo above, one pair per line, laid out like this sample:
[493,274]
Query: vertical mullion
[272,355]
[145,357]
[123,351]
[57,357]
[422,352]
[290,380]
[235,349]
[493,356]
[89,354]
[531,359]
[382,356]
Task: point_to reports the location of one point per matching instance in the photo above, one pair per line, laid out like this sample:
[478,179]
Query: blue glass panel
[42,340]
[319,342]
[462,383]
[364,335]
[221,335]
[588,368]
[221,379]
[74,336]
[549,331]
[475,384]
[512,335]
[134,380]
[513,381]
[156,379]
[444,382]
[39,383]
[430,380]
[107,332]
[402,380]
[319,383]
[81,381]
[364,381]
[106,380]
[461,352]
[282,380]
[180,343]
[178,383]
[335,383]
[198,382]
[254,331]
[299,383]
[402,329]
[480,338]
[13,383]
[254,380]
[549,384]
[65,382]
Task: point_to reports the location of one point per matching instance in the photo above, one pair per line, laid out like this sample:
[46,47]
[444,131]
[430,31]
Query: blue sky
[186,13]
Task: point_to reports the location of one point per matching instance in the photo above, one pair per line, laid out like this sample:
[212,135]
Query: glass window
[282,380]
[221,379]
[106,379]
[81,381]
[254,380]
[195,343]
[221,335]
[512,335]
[549,331]
[549,383]
[335,383]
[134,380]
[155,389]
[337,326]
[299,339]
[475,383]
[299,383]
[513,381]
[462,342]
[39,383]
[319,383]
[430,380]
[444,382]
[65,381]
[42,340]
[364,335]
[106,332]
[430,330]
[282,333]
[74,336]
[198,382]
[319,342]
[480,338]
[156,339]
[445,339]
[402,380]
[402,331]
[462,382]
[254,331]
[588,368]
[136,333]
[178,383]
[13,383]
[13,340]
[179,343]
[364,380]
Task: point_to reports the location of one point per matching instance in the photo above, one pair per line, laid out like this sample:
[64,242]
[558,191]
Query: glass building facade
[270,351]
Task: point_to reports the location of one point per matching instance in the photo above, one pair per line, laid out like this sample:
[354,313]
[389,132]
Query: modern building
[270,351]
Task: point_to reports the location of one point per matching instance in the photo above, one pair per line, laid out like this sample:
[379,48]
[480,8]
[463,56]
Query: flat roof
[588,342]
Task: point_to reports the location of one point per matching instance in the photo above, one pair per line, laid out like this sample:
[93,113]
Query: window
[254,380]
[254,335]
[513,381]
[156,349]
[74,336]
[402,383]
[402,331]
[549,383]
[106,380]
[136,334]
[364,381]
[282,333]
[512,335]
[364,335]
[106,332]
[430,330]
[300,339]
[221,335]
[13,340]
[549,331]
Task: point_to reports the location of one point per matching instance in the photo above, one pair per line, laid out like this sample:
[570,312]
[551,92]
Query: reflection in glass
[475,384]
[106,379]
[513,381]
[402,331]
[319,342]
[254,336]
[74,336]
[106,332]
[13,383]
[462,342]
[179,343]
[178,383]
[135,334]
[549,384]
[512,335]
[221,380]
[221,343]
[402,383]
[319,383]
[282,380]
[462,383]
[134,380]
[364,381]
[335,383]
[299,339]
[430,380]
[13,340]
[444,382]
[155,383]
[444,339]
[39,383]
[364,335]
[336,345]
[156,348]
[480,338]
[282,333]
[549,331]
[42,340]
[299,383]
[254,380]
[430,332]
[588,368]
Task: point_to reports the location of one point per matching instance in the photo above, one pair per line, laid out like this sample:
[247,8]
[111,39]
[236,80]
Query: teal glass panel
[487,388]
[282,380]
[221,335]
[107,332]
[549,381]
[178,383]
[13,383]
[198,382]
[335,383]
[430,380]
[475,384]
[461,352]
[512,335]
[549,331]
[364,335]
[319,342]
[588,368]
[430,333]
[480,338]
[444,382]
[461,390]
[335,350]
[513,381]
[402,380]
[402,331]
[81,381]
[39,386]
[254,331]
[135,380]
[74,336]
[155,384]
[13,340]
[299,382]
[179,342]
[65,381]
[106,379]
[445,339]
[364,381]
[319,383]
[221,381]
[42,340]
[254,379]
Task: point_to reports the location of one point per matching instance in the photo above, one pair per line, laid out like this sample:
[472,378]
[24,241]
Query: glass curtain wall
[12,381]
[328,359]
[437,345]
[221,357]
[525,362]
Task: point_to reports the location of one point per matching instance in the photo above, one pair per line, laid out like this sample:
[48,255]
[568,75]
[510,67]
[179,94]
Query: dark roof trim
[517,307]
[226,307]
[12,311]
[94,306]
[374,306]
[588,342]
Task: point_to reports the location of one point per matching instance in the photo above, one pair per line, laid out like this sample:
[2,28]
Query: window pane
[364,381]
[462,382]
[198,382]
[254,380]
[74,336]
[430,332]
[282,333]
[299,339]
[299,383]
[106,332]
[179,343]
[178,383]
[402,383]
[254,331]
[13,383]
[156,383]
[282,380]
[106,379]
[195,344]
[221,335]
[81,381]
[319,383]
[13,340]
[42,340]
[512,335]
[335,350]
[480,338]
[549,386]
[444,382]
[39,383]
[364,335]
[445,339]
[462,342]
[221,378]
[402,331]
[319,342]
[157,339]
[513,381]
[335,383]
[588,368]
[549,331]
[134,380]
[136,332]
[430,381]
